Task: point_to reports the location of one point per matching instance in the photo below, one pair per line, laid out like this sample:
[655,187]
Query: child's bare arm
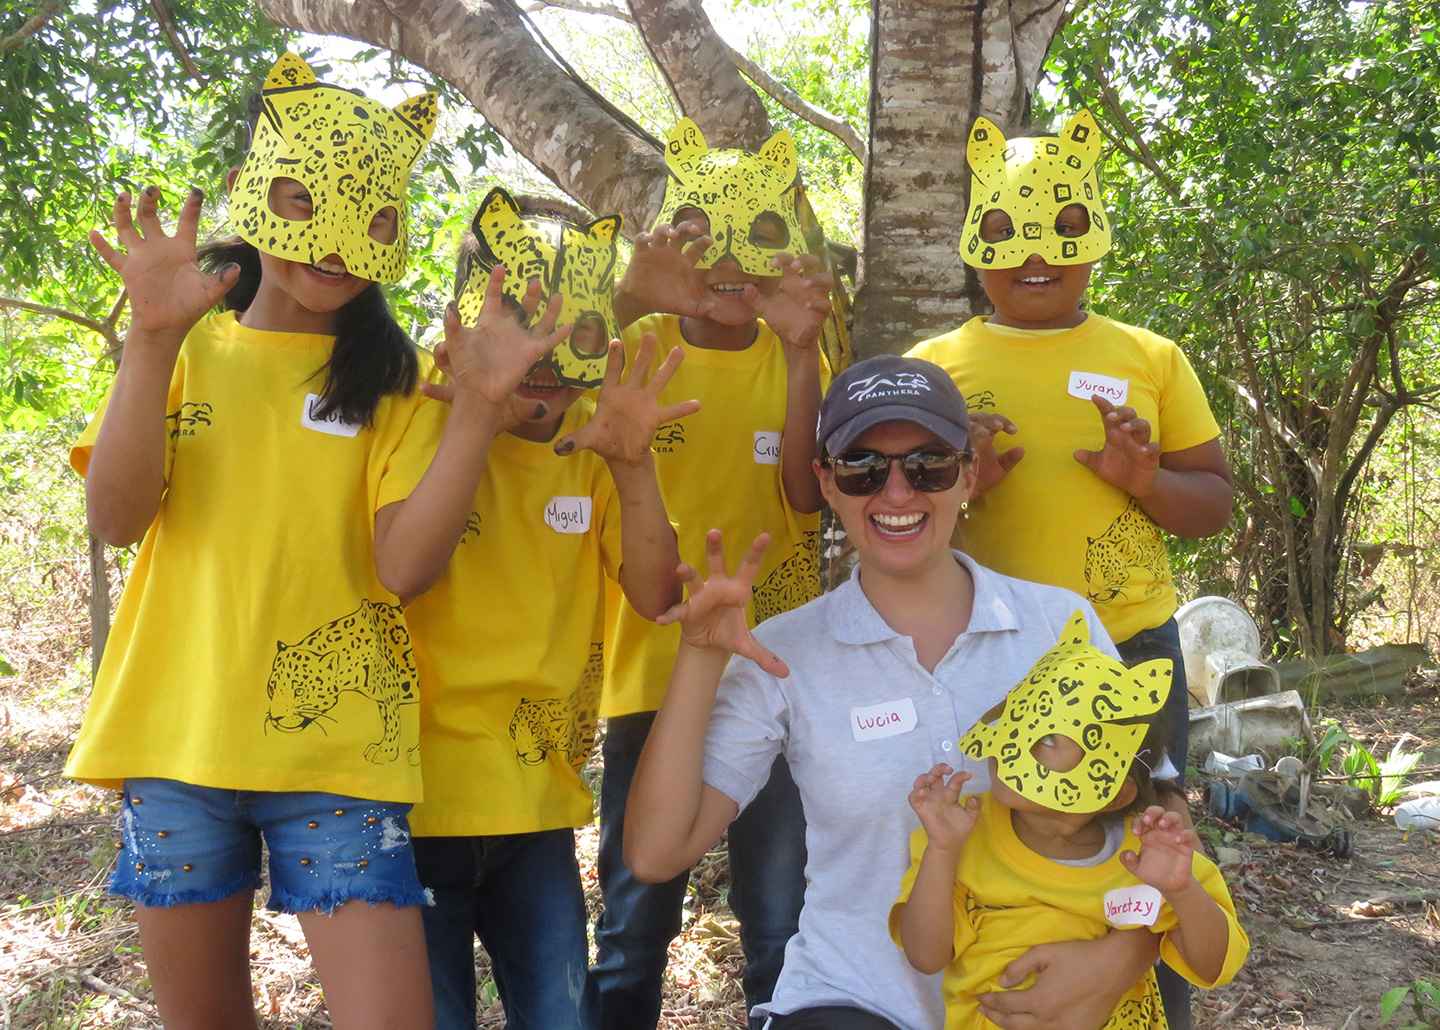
[927,923]
[662,276]
[796,313]
[626,416]
[415,538]
[168,293]
[1187,493]
[1165,862]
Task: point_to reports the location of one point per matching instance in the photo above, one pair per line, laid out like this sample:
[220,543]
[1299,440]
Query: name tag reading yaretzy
[331,423]
[1132,906]
[568,514]
[1086,384]
[767,448]
[887,720]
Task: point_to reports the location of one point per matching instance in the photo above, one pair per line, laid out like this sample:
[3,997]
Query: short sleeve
[1185,417]
[84,444]
[964,928]
[1237,947]
[748,729]
[414,444]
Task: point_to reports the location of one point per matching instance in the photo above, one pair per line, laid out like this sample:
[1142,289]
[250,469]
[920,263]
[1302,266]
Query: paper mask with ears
[573,259]
[351,153]
[1033,179]
[750,199]
[1074,690]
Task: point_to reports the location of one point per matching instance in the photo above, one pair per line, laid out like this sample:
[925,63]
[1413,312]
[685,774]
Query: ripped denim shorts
[185,845]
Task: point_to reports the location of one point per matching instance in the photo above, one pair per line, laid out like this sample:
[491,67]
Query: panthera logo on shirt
[472,527]
[667,437]
[982,401]
[191,414]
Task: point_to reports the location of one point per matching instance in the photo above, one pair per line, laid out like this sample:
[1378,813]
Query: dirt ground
[1328,936]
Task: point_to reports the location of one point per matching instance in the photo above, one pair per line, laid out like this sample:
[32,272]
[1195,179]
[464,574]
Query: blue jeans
[1164,642]
[521,894]
[633,933]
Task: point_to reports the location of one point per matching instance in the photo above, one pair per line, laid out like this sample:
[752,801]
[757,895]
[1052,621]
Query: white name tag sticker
[1086,384]
[888,720]
[331,423]
[767,448]
[1132,906]
[568,514]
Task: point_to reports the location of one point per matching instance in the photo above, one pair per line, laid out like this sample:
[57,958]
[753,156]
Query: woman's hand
[713,618]
[168,291]
[628,411]
[1067,994]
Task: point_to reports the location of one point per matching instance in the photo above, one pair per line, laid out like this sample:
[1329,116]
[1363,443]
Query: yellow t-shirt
[1009,899]
[1052,520]
[254,648]
[719,469]
[510,642]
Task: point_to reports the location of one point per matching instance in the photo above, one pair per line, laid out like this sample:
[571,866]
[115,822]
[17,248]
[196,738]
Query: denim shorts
[187,845]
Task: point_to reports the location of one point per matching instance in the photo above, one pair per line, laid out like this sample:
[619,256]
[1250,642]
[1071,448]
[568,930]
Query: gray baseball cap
[889,388]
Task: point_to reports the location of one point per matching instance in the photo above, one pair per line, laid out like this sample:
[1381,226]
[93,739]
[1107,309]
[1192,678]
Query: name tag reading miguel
[886,720]
[568,514]
[1086,384]
[332,423]
[1133,906]
[767,448]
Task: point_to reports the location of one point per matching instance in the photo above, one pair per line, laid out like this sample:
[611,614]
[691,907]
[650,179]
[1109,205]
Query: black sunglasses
[862,473]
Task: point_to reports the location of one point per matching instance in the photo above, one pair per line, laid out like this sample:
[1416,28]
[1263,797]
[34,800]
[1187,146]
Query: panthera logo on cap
[900,384]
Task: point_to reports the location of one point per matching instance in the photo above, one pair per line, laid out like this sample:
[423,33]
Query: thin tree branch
[33,25]
[782,94]
[799,106]
[167,23]
[104,329]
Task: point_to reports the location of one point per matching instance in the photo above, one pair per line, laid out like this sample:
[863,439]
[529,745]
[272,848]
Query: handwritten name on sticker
[888,720]
[1086,384]
[767,448]
[568,514]
[332,423]
[1132,906]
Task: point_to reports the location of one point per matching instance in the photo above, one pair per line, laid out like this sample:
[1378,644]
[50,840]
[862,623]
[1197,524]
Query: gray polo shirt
[858,719]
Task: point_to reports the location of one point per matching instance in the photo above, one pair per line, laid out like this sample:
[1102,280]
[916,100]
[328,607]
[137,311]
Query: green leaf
[1390,1001]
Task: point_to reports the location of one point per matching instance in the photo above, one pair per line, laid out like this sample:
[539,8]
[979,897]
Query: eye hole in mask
[290,199]
[1057,752]
[770,231]
[588,336]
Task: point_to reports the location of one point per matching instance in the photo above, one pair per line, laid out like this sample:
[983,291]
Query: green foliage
[1271,181]
[1424,998]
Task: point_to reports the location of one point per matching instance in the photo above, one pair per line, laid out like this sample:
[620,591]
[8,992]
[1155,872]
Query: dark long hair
[372,357]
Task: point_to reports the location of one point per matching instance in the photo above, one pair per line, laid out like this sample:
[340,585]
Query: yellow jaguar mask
[576,261]
[351,153]
[1074,690]
[1033,180]
[750,199]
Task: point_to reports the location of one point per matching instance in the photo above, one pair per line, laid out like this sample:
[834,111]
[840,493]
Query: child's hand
[713,618]
[1129,460]
[990,465]
[168,291]
[1167,847]
[948,820]
[796,312]
[628,413]
[662,276]
[487,361]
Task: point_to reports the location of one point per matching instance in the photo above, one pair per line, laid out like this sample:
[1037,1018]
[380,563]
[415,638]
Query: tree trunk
[935,65]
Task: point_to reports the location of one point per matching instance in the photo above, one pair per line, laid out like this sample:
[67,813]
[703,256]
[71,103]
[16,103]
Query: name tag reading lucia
[332,423]
[1086,384]
[568,514]
[884,720]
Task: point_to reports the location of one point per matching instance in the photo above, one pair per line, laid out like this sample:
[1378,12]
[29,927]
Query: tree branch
[103,328]
[167,23]
[32,25]
[799,106]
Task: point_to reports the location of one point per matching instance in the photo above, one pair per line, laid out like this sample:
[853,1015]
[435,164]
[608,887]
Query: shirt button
[946,745]
[938,690]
